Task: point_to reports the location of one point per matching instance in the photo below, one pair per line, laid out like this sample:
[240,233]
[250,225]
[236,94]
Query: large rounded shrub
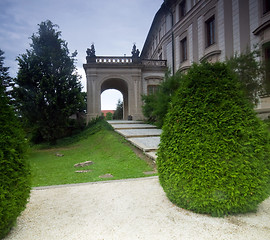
[14,170]
[214,152]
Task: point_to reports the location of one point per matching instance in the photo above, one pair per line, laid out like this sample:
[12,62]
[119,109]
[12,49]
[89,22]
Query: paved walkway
[144,136]
[131,209]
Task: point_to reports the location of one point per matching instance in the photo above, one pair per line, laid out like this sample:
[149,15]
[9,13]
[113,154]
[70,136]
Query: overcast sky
[112,25]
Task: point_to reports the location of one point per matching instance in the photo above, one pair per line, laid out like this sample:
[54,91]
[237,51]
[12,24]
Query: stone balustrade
[113,60]
[126,60]
[152,62]
[109,60]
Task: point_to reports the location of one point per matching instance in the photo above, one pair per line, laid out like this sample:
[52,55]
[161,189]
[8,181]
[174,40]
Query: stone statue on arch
[91,52]
[135,54]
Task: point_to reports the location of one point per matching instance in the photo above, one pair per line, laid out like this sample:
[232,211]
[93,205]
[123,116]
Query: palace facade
[187,31]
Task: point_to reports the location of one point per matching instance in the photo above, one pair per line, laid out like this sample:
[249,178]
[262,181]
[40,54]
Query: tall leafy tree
[47,88]
[250,71]
[156,105]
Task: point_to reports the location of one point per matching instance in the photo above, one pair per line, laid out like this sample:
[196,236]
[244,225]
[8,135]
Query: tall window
[267,53]
[152,89]
[183,44]
[266,6]
[210,31]
[266,48]
[182,9]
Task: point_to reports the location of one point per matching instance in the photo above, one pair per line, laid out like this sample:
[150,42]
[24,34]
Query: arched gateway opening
[132,76]
[120,85]
[110,99]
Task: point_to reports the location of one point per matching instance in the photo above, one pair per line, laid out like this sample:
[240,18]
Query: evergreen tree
[214,153]
[14,170]
[6,80]
[48,90]
[118,113]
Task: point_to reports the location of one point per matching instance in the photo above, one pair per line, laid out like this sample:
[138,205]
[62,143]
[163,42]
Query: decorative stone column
[137,105]
[93,95]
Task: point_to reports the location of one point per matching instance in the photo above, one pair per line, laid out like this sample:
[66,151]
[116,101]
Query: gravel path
[127,209]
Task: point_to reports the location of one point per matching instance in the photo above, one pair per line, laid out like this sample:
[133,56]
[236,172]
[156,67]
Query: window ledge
[261,27]
[210,54]
[153,78]
[184,68]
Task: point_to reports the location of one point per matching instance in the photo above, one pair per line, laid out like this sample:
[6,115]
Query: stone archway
[128,75]
[120,85]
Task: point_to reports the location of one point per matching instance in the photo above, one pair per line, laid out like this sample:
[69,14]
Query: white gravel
[127,209]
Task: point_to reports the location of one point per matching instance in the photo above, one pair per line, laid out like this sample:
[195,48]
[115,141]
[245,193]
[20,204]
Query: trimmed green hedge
[14,170]
[214,152]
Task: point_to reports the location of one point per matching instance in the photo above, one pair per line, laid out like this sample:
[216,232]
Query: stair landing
[144,136]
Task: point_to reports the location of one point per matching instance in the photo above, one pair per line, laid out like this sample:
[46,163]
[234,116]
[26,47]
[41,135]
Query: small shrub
[214,152]
[148,108]
[156,105]
[109,116]
[14,170]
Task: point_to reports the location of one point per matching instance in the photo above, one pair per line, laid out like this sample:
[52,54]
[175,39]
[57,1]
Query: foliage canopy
[250,72]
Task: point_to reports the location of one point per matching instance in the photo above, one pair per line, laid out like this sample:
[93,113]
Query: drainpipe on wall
[172,36]
[172,50]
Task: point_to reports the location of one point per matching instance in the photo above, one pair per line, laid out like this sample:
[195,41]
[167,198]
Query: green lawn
[109,152]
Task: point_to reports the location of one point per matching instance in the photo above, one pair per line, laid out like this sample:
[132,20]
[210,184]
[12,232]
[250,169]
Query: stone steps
[119,126]
[134,133]
[146,137]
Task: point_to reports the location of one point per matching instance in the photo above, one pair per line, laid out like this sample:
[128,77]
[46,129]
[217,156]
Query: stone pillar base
[137,117]
[89,117]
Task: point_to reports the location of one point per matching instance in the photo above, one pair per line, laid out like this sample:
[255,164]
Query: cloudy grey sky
[112,25]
